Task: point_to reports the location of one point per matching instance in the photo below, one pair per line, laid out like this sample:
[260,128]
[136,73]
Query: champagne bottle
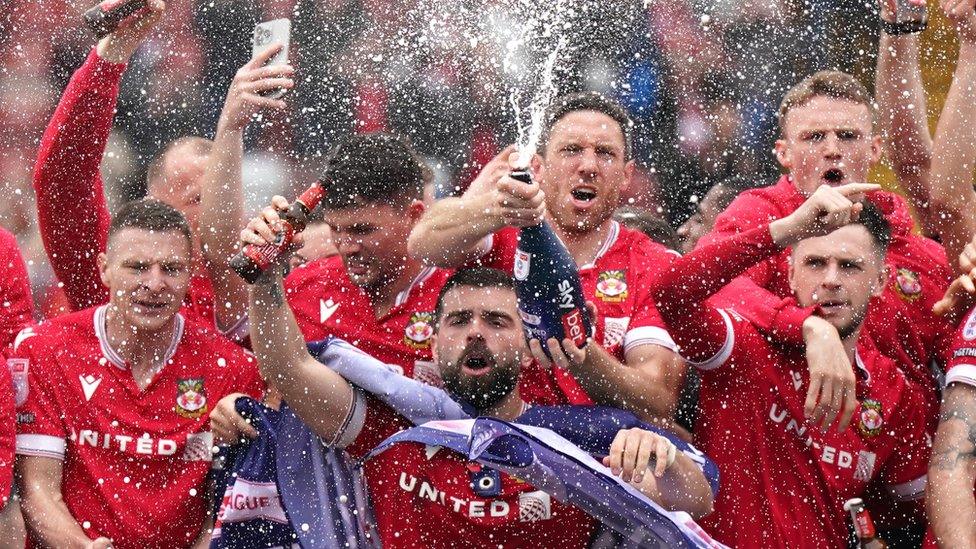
[547,284]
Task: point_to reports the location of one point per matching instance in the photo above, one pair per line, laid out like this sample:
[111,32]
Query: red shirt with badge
[619,283]
[784,481]
[900,322]
[326,303]
[135,462]
[424,496]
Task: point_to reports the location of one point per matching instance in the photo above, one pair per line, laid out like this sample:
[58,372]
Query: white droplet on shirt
[221,362]
[86,525]
[304,527]
[343,498]
[193,491]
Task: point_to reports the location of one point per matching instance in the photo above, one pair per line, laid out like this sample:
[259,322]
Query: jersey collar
[112,356]
[607,244]
[421,277]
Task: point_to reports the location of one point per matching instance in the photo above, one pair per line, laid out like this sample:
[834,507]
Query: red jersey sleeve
[704,334]
[370,422]
[8,433]
[501,251]
[72,211]
[40,430]
[647,327]
[16,303]
[246,378]
[961,365]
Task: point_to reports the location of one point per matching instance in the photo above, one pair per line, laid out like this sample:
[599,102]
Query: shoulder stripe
[962,373]
[725,352]
[41,446]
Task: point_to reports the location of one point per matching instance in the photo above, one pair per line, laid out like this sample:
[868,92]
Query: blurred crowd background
[701,78]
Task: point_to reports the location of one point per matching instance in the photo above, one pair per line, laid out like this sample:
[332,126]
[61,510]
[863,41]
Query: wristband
[903,27]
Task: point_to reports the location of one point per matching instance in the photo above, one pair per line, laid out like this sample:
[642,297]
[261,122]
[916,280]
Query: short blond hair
[834,84]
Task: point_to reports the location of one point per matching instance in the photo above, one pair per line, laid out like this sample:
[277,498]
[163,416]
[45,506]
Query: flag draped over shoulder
[570,474]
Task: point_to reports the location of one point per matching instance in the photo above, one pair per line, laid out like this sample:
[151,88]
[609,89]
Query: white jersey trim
[649,335]
[41,446]
[724,353]
[112,356]
[354,422]
[910,491]
[962,373]
[421,277]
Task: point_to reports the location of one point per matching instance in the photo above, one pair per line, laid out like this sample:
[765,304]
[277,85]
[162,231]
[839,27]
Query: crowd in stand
[792,345]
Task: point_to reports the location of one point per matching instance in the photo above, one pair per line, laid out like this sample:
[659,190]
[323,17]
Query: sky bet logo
[566,295]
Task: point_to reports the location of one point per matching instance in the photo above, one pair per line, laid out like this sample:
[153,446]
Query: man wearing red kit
[827,138]
[787,479]
[16,303]
[584,164]
[72,211]
[113,402]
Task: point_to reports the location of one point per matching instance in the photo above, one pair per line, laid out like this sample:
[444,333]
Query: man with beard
[782,472]
[478,346]
[584,164]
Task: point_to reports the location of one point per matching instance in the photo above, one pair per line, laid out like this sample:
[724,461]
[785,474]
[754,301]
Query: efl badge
[191,398]
[18,372]
[534,506]
[485,481]
[871,418]
[611,286]
[418,331]
[969,330]
[523,260]
[614,330]
[907,284]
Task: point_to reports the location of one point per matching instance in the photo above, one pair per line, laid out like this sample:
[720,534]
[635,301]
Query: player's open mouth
[150,306]
[833,176]
[583,196]
[833,306]
[476,364]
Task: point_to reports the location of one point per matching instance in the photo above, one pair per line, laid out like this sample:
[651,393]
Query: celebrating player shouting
[585,164]
[479,347]
[113,402]
[787,480]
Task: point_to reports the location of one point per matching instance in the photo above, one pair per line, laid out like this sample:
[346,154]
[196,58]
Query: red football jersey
[619,283]
[900,322]
[326,303]
[425,496]
[72,212]
[8,432]
[16,302]
[135,461]
[784,481]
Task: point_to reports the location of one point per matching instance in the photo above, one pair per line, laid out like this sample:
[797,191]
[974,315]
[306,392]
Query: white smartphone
[277,31]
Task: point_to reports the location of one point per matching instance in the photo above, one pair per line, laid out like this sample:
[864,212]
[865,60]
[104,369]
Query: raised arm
[46,515]
[902,114]
[319,396]
[953,200]
[952,470]
[16,302]
[221,191]
[453,231]
[72,211]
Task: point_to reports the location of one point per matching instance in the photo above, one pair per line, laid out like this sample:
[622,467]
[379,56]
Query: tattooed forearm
[955,443]
[272,283]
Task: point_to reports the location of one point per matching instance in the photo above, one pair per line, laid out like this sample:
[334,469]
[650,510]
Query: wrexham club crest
[871,418]
[418,331]
[611,286]
[907,284]
[191,398]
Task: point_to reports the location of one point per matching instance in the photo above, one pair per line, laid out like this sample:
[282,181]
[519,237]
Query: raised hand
[826,210]
[119,45]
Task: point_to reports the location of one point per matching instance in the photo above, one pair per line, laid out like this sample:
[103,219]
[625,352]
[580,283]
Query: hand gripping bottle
[254,260]
[867,536]
[547,284]
[104,17]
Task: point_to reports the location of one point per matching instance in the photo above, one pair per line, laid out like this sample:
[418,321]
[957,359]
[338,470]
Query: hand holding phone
[277,31]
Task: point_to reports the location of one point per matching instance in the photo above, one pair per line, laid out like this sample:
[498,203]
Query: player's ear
[783,154]
[791,273]
[416,210]
[103,269]
[877,288]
